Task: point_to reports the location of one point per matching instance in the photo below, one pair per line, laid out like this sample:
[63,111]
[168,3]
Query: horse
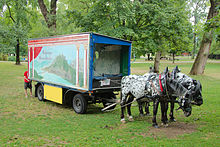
[146,86]
[192,85]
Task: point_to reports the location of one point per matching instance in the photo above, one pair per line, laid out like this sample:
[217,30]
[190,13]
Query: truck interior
[109,61]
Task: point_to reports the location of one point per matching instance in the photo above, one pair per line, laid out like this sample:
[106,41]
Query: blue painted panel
[96,38]
[129,61]
[90,63]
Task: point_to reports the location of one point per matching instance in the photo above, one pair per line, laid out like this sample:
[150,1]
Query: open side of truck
[78,69]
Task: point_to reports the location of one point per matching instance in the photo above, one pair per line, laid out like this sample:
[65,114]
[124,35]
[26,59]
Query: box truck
[78,69]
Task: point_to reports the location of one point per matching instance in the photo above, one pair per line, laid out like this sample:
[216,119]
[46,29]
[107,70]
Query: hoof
[172,120]
[123,121]
[165,124]
[130,118]
[155,126]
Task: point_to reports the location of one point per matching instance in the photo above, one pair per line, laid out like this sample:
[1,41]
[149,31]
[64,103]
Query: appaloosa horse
[154,87]
[194,87]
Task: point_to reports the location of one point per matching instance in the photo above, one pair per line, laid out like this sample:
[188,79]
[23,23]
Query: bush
[3,57]
[11,58]
[0,56]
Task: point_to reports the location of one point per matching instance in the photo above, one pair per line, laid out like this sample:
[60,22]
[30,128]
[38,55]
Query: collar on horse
[161,87]
[162,92]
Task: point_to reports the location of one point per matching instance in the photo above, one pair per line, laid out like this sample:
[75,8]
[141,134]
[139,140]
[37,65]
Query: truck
[78,69]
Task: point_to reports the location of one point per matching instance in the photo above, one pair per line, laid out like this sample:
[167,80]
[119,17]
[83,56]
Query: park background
[159,30]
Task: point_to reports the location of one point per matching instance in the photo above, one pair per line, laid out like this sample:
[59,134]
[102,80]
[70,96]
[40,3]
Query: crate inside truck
[78,69]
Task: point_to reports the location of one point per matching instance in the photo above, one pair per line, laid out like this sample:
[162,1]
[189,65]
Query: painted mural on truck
[58,64]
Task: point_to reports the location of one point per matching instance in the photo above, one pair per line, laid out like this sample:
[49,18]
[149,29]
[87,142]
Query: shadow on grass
[91,108]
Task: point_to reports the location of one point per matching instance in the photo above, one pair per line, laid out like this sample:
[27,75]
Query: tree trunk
[173,57]
[17,52]
[201,59]
[194,34]
[148,56]
[157,62]
[194,46]
[50,17]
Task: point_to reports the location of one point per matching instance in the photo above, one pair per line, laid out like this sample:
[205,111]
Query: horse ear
[177,69]
[166,70]
[151,69]
[194,82]
[200,85]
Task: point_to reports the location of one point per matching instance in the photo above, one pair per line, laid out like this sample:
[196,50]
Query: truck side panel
[54,94]
[60,61]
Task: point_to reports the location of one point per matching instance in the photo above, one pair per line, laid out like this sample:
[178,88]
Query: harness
[161,87]
[160,84]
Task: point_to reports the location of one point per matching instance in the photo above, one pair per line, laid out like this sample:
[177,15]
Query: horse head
[185,105]
[177,89]
[194,87]
[187,89]
[197,93]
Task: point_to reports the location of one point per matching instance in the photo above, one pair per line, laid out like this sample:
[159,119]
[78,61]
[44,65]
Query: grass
[29,122]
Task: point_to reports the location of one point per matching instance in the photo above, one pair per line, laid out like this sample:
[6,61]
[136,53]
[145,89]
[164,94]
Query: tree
[49,15]
[147,23]
[15,24]
[201,59]
[197,8]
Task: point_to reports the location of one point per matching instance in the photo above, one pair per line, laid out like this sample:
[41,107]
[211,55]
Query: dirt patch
[138,71]
[172,131]
[214,75]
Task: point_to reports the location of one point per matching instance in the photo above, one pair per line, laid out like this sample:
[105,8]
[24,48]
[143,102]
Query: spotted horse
[193,86]
[156,88]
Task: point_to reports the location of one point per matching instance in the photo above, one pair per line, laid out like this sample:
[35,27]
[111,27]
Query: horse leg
[162,106]
[155,107]
[140,106]
[147,108]
[164,112]
[172,119]
[130,99]
[123,102]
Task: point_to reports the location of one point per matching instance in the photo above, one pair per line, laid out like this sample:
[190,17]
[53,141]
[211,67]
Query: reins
[105,109]
[135,99]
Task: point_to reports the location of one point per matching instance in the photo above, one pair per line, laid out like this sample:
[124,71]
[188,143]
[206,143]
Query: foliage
[3,57]
[149,24]
[14,26]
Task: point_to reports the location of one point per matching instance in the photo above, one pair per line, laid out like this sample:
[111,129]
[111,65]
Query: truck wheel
[40,93]
[105,104]
[79,104]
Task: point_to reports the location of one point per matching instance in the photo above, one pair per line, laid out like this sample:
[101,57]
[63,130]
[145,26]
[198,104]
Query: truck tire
[105,104]
[79,104]
[40,93]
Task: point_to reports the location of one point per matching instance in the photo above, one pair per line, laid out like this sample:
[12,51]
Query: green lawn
[29,122]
